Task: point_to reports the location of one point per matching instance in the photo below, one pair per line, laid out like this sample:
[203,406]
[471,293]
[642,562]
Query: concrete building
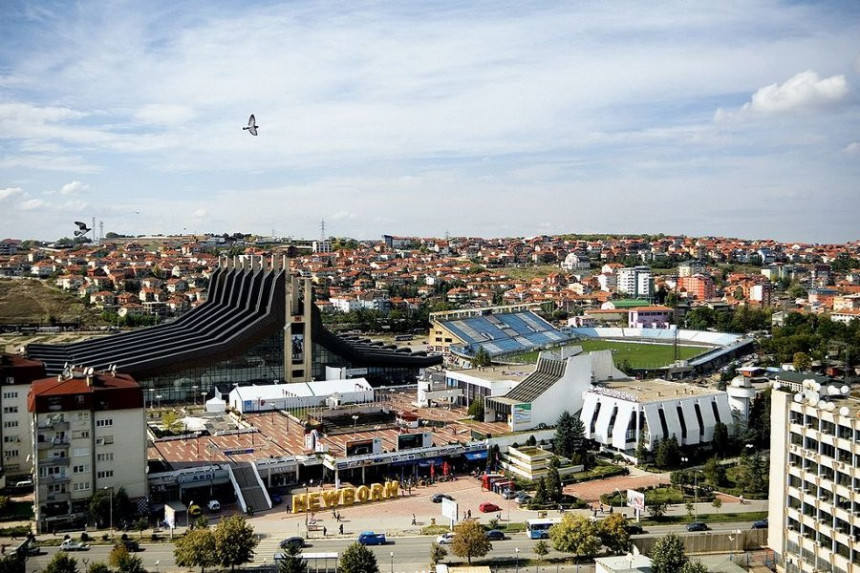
[16,375]
[617,413]
[89,434]
[635,281]
[814,507]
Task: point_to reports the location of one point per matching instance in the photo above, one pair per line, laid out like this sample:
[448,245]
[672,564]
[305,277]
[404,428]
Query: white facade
[16,431]
[616,414]
[295,395]
[635,281]
[813,505]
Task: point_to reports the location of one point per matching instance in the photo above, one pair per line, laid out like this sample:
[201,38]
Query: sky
[732,118]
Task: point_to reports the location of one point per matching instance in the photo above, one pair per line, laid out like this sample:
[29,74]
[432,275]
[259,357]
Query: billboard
[636,499]
[522,413]
[297,339]
[412,441]
[450,509]
[362,447]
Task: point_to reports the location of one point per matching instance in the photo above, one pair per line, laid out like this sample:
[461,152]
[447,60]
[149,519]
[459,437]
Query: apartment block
[16,375]
[814,497]
[88,435]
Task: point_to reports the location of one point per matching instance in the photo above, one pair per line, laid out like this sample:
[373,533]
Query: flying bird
[252,125]
[82,229]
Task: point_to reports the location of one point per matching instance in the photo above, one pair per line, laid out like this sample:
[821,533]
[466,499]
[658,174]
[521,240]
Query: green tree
[195,549]
[235,541]
[437,554]
[613,533]
[540,497]
[714,472]
[171,421]
[668,454]
[358,559]
[62,563]
[292,561]
[99,567]
[694,567]
[470,540]
[802,362]
[481,358]
[667,555]
[13,563]
[658,509]
[576,534]
[641,449]
[476,409]
[717,503]
[541,549]
[563,442]
[117,554]
[554,487]
[721,442]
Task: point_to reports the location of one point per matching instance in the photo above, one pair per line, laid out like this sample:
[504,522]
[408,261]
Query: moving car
[130,544]
[495,535]
[72,545]
[445,538]
[760,524]
[297,542]
[371,538]
[633,529]
[697,526]
[438,497]
[488,507]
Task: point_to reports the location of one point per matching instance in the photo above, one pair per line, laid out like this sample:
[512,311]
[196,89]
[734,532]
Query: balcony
[54,479]
[57,426]
[45,462]
[54,443]
[57,497]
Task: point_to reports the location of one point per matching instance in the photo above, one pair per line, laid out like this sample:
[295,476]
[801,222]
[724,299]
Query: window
[7,454]
[104,474]
[9,395]
[82,486]
[81,469]
[13,439]
[79,399]
[10,409]
[57,488]
[10,424]
[105,457]
[82,416]
[104,440]
[104,423]
[80,434]
[80,452]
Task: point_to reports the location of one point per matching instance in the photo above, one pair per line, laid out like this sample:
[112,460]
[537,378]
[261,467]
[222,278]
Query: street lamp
[392,561]
[695,490]
[194,393]
[151,400]
[517,550]
[110,487]
[156,565]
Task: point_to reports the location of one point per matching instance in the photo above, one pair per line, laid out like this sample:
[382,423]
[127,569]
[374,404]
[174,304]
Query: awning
[434,461]
[482,455]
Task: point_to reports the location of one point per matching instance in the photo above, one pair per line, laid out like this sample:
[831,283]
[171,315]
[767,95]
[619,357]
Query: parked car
[633,529]
[130,544]
[523,498]
[214,505]
[760,524]
[371,538]
[72,545]
[297,542]
[32,549]
[488,507]
[438,497]
[445,538]
[495,535]
[697,526]
[276,498]
[509,494]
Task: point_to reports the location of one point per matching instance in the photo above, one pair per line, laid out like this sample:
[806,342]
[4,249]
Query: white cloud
[199,213]
[804,91]
[165,114]
[32,204]
[74,188]
[343,215]
[852,149]
[10,192]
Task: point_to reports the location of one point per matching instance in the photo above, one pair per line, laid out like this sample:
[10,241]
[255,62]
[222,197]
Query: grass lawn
[636,354]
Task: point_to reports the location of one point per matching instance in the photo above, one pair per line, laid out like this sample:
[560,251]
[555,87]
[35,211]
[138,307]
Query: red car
[488,507]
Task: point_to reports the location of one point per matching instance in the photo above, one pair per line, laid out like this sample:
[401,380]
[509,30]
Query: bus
[539,528]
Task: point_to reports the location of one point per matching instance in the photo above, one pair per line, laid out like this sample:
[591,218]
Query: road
[410,553]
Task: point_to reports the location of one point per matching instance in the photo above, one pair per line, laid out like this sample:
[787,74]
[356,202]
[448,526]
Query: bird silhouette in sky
[82,229]
[252,125]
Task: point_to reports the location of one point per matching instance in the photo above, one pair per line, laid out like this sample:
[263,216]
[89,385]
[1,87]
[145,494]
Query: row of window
[10,409]
[9,395]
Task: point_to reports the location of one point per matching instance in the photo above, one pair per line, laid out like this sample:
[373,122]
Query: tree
[292,561]
[235,541]
[195,549]
[476,409]
[554,487]
[117,554]
[641,449]
[437,554]
[658,509]
[540,497]
[694,567]
[576,534]
[667,555]
[62,563]
[613,533]
[802,362]
[171,421]
[563,442]
[541,549]
[470,541]
[668,453]
[721,442]
[358,559]
[714,472]
[481,358]
[99,567]
[13,563]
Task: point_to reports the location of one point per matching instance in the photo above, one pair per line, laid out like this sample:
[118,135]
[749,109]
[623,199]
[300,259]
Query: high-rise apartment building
[16,375]
[635,281]
[89,434]
[814,497]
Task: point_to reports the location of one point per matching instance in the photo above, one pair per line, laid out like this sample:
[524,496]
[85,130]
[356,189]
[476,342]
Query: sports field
[637,355]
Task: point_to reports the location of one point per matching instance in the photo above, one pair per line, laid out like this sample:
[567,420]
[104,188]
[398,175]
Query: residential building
[813,507]
[89,434]
[16,375]
[697,286]
[650,317]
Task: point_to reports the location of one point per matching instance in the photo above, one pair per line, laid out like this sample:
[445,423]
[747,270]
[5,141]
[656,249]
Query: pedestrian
[601,509]
[324,530]
[340,529]
[469,513]
[413,520]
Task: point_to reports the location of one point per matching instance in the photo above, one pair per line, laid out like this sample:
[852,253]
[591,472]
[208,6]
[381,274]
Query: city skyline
[487,119]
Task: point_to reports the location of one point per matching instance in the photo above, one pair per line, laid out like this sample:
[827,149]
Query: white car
[445,538]
[214,505]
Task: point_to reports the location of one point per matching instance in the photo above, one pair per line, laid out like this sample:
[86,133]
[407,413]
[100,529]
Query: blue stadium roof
[505,333]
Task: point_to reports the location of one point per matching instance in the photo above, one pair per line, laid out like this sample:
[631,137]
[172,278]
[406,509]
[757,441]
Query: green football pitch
[636,354]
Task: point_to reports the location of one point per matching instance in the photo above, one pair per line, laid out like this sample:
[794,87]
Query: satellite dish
[777,385]
[844,410]
[816,386]
[798,397]
[813,401]
[831,406]
[845,390]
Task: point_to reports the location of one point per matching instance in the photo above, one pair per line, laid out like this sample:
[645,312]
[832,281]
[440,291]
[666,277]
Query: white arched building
[616,413]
